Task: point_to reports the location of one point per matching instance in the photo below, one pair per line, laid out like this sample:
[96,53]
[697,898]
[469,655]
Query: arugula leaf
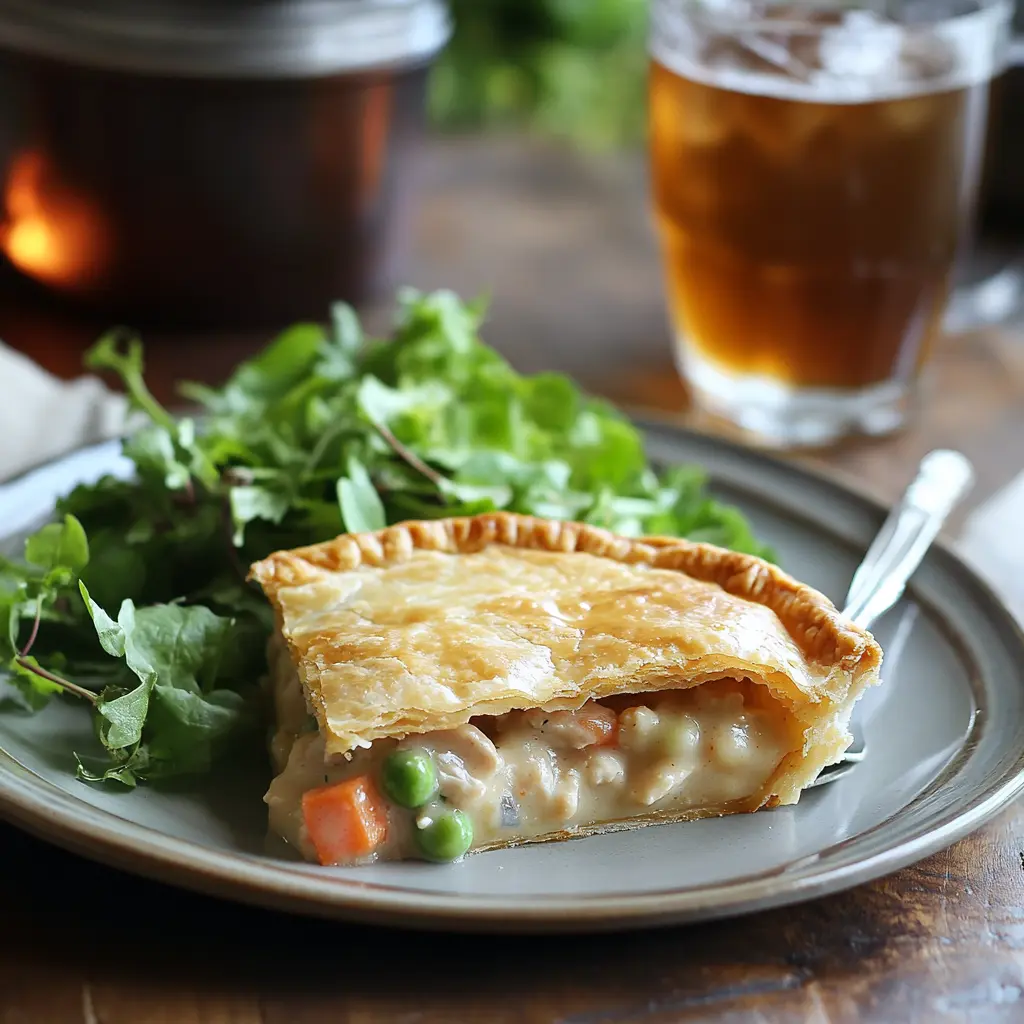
[178,654]
[116,569]
[59,545]
[251,502]
[383,405]
[346,331]
[272,374]
[362,510]
[37,591]
[180,645]
[110,633]
[125,715]
[152,450]
[121,351]
[551,401]
[188,727]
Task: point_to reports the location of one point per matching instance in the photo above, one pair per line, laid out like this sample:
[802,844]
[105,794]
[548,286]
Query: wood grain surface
[564,245]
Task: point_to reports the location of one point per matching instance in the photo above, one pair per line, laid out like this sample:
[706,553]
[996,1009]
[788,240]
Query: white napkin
[42,416]
[992,542]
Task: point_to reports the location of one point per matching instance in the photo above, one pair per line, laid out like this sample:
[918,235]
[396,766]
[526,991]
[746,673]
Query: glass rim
[713,14]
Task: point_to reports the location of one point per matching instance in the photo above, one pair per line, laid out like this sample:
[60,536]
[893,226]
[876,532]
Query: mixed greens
[134,601]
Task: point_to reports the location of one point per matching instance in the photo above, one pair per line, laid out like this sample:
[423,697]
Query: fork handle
[943,478]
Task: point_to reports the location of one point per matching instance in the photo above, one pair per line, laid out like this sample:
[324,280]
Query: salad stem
[78,691]
[411,458]
[35,629]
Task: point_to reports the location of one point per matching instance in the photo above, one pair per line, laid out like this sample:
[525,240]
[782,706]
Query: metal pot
[204,161]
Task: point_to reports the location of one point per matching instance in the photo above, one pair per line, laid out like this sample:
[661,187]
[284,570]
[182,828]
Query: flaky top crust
[423,625]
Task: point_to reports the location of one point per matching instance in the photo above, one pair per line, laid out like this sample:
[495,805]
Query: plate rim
[39,807]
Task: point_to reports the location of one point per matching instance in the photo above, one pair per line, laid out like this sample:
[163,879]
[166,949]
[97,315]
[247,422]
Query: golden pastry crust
[808,615]
[426,624]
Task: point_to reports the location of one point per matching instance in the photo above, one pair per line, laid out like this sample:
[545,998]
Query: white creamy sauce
[532,773]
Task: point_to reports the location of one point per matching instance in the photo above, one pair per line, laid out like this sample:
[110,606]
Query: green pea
[410,778]
[447,837]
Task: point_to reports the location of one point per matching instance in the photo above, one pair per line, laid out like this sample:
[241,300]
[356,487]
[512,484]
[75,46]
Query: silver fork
[943,477]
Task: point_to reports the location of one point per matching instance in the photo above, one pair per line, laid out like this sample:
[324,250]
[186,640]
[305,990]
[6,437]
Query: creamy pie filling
[528,774]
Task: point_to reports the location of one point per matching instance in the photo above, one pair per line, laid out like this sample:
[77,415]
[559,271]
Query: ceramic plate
[945,737]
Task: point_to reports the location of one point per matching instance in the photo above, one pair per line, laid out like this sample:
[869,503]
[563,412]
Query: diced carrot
[346,821]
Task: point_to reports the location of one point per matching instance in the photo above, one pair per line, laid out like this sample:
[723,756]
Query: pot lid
[227,38]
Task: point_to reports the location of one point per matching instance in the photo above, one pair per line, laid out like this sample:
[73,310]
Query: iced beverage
[814,168]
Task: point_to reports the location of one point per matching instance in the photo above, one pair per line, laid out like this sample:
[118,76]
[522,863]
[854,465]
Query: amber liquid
[811,243]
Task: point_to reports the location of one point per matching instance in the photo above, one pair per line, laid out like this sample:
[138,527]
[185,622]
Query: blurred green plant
[574,69]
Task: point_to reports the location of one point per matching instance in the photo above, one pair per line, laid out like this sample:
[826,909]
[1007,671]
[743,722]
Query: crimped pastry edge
[810,618]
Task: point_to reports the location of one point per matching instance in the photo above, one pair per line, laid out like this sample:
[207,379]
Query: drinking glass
[815,166]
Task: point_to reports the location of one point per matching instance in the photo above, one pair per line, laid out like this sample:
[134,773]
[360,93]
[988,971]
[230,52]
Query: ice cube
[784,130]
[862,46]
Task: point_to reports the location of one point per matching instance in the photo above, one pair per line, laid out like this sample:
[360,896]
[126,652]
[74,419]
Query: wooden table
[565,246]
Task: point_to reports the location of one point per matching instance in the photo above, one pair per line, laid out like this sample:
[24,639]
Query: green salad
[133,600]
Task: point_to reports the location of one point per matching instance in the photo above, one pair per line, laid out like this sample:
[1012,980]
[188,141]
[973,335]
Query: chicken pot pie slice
[467,684]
